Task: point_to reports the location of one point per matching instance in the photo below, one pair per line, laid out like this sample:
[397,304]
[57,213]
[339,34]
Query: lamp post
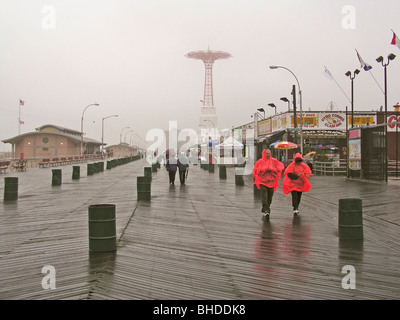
[93,104]
[102,130]
[380,59]
[286,100]
[272,106]
[120,135]
[301,104]
[348,73]
[262,110]
[126,134]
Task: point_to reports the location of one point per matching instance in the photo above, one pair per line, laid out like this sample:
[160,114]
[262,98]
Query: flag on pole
[21,102]
[328,74]
[395,40]
[364,65]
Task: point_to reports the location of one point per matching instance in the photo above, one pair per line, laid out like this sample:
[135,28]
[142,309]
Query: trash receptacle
[10,188]
[222,172]
[350,219]
[144,188]
[57,177]
[102,228]
[90,169]
[76,172]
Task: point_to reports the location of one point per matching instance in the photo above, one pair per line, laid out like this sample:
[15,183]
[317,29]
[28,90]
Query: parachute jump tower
[207,111]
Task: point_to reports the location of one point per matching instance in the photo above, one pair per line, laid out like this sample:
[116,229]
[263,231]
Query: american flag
[21,102]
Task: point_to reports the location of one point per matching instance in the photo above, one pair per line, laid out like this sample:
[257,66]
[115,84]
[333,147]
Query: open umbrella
[308,155]
[285,145]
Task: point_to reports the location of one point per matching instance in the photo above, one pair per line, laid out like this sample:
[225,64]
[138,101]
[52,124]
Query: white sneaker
[266,215]
[296,212]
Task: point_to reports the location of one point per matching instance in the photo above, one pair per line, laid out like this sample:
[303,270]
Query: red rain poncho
[267,172]
[301,184]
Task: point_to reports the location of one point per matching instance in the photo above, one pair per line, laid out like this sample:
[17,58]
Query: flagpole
[338,85]
[376,81]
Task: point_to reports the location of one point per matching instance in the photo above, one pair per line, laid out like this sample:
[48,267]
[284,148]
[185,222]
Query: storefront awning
[271,136]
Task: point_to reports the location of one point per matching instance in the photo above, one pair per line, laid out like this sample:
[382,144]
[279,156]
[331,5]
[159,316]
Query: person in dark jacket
[171,166]
[183,165]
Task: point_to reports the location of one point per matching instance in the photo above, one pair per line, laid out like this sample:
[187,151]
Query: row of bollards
[144,182]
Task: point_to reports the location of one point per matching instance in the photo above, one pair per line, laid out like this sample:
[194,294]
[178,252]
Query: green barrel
[96,167]
[222,172]
[102,228]
[76,172]
[101,166]
[350,219]
[211,167]
[10,188]
[153,167]
[239,181]
[109,165]
[56,177]
[90,169]
[144,188]
[147,171]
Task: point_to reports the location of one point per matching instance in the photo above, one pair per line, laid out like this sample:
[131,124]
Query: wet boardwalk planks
[204,240]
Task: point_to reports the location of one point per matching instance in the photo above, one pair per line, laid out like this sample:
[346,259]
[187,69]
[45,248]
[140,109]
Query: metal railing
[330,168]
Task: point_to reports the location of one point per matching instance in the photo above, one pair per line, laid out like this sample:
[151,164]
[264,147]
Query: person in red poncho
[296,180]
[267,172]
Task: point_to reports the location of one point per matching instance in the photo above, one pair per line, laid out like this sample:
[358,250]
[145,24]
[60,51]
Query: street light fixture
[262,110]
[380,59]
[93,104]
[348,74]
[301,104]
[272,106]
[286,100]
[102,130]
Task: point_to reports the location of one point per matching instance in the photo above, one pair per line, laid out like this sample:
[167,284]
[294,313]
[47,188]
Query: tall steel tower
[208,115]
[208,57]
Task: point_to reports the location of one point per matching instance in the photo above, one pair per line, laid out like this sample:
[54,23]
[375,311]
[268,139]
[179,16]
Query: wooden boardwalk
[205,240]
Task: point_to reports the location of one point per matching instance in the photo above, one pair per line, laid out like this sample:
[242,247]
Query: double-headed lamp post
[102,130]
[348,73]
[93,104]
[380,59]
[301,104]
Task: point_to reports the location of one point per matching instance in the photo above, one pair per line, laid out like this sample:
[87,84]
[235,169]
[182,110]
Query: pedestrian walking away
[296,181]
[183,166]
[266,172]
[171,166]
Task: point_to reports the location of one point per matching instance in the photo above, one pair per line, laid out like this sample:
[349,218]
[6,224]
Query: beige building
[51,141]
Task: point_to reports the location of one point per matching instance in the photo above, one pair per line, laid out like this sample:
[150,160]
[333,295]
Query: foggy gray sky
[129,56]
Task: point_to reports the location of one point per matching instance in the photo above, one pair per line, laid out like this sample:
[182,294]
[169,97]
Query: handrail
[336,167]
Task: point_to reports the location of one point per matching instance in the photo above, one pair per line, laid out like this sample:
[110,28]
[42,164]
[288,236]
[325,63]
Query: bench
[19,165]
[4,165]
[44,163]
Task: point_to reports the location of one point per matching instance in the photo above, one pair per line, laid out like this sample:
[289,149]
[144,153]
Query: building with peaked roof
[50,141]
